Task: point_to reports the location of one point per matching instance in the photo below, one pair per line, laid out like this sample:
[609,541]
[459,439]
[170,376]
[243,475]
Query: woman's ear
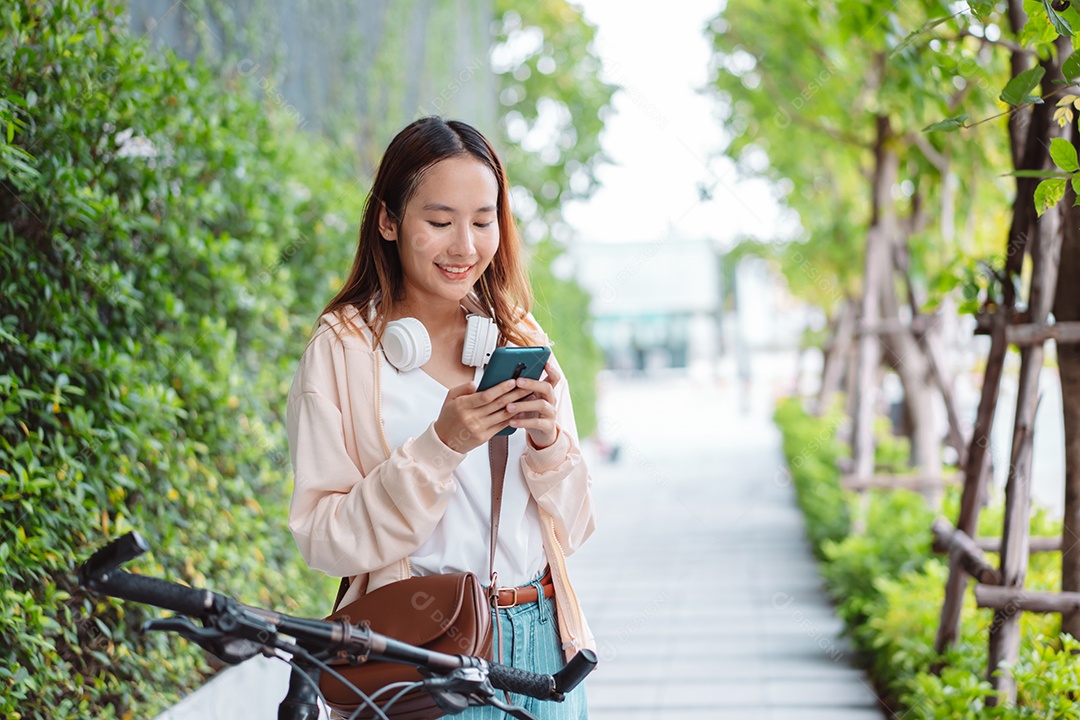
[387,227]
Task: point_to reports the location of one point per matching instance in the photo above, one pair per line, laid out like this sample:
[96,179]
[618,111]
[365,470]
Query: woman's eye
[483,225]
[438,224]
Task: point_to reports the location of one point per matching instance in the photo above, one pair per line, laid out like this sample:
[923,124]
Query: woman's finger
[540,387]
[501,401]
[541,407]
[553,375]
[495,392]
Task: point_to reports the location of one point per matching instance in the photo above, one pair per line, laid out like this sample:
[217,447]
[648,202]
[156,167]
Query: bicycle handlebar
[102,575]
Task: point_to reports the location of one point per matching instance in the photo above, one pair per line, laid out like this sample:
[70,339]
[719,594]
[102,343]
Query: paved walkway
[699,583]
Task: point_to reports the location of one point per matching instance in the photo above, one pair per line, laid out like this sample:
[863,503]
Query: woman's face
[449,232]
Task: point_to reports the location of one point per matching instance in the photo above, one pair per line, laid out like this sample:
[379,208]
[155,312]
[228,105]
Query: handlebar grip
[583,663]
[153,591]
[523,682]
[101,574]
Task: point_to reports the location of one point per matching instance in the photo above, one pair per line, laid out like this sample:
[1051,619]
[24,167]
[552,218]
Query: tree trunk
[978,464]
[1066,309]
[910,364]
[836,356]
[1045,248]
[878,242]
[930,344]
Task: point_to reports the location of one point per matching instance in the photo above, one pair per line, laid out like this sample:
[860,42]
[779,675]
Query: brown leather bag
[445,613]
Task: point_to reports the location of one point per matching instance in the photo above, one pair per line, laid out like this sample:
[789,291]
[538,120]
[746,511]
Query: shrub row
[889,587]
[154,219]
[165,244]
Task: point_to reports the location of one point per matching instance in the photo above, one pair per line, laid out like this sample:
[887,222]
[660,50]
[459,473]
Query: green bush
[165,246]
[811,449]
[152,219]
[896,540]
[889,590]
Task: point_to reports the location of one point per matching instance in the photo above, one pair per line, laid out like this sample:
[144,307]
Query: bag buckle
[514,602]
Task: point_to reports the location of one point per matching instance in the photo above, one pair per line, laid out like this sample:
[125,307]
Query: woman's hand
[468,419]
[536,413]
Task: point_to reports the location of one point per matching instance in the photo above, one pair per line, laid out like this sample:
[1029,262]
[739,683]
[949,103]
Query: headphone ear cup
[406,344]
[481,337]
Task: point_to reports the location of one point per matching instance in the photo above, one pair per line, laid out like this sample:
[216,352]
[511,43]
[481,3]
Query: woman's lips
[455,272]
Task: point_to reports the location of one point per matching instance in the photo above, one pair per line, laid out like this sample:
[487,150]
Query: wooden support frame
[1041,237]
[1012,601]
[1025,334]
[958,544]
[1035,544]
[976,469]
[887,481]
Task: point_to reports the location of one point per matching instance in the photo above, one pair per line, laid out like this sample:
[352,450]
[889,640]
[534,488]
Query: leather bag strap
[498,448]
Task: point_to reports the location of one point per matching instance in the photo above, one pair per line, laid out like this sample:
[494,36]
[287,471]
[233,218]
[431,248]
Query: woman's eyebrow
[446,208]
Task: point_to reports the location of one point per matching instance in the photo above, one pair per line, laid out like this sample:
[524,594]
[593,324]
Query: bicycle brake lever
[179,625]
[208,639]
[452,692]
[230,650]
[518,712]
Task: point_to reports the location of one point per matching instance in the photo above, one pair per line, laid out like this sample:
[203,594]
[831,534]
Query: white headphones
[407,345]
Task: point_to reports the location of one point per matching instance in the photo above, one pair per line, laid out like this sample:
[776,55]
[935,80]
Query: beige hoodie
[360,508]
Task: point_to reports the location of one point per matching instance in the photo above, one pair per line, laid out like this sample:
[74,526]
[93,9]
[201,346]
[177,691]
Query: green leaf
[1048,193]
[1071,67]
[1057,20]
[1075,180]
[1063,154]
[982,9]
[10,131]
[949,124]
[1018,90]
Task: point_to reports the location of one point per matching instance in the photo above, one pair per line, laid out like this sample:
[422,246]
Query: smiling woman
[389,435]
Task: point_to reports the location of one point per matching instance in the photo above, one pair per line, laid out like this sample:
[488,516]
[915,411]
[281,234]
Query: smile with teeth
[454,269]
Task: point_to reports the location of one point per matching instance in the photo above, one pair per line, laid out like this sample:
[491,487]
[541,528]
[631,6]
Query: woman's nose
[463,242]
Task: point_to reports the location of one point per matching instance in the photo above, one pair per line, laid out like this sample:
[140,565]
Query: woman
[392,475]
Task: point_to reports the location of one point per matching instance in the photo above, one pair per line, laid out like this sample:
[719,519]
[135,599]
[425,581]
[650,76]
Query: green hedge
[812,452]
[889,589]
[152,216]
[165,245]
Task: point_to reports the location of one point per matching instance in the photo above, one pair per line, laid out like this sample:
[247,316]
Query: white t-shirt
[410,402]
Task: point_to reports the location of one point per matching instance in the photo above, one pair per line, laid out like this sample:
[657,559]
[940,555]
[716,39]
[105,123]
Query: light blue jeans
[530,641]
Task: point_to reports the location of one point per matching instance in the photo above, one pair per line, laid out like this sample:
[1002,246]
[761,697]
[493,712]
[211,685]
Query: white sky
[664,135]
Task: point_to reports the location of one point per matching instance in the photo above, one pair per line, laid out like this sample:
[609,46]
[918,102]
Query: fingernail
[511,407]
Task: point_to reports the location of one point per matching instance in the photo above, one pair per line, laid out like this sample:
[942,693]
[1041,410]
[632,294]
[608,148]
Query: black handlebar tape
[575,671]
[152,591]
[523,682]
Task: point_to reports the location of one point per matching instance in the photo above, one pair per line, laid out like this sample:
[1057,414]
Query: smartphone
[513,362]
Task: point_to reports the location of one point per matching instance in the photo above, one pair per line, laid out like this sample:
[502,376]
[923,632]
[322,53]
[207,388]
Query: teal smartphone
[513,362]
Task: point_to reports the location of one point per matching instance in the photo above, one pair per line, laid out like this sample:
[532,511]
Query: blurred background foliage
[794,75]
[172,219]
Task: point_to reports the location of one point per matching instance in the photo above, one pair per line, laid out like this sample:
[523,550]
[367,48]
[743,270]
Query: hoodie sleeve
[347,521]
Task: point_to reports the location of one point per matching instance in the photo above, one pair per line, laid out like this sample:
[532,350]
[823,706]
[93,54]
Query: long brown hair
[376,279]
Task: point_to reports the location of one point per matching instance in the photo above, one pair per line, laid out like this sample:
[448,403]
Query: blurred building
[664,304]
[655,304]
